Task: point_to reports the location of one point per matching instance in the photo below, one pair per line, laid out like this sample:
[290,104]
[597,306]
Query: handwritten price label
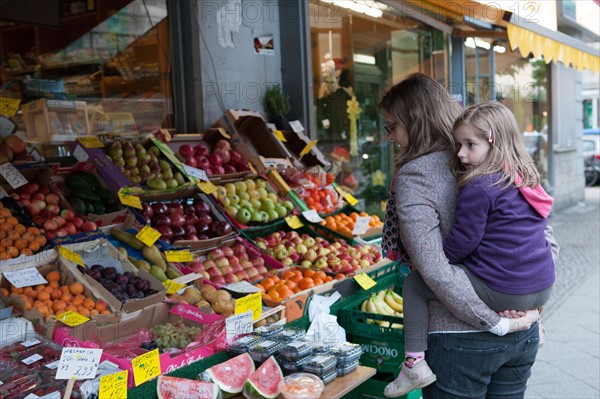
[91,142]
[25,277]
[238,324]
[113,386]
[173,286]
[207,187]
[365,281]
[148,235]
[12,175]
[195,173]
[78,363]
[312,216]
[72,319]
[9,106]
[297,126]
[179,256]
[279,135]
[130,200]
[252,302]
[361,226]
[294,222]
[308,147]
[71,255]
[146,367]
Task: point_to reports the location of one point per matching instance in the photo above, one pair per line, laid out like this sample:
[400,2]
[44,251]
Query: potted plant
[277,106]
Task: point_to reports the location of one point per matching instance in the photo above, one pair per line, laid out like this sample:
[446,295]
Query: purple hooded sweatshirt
[499,234]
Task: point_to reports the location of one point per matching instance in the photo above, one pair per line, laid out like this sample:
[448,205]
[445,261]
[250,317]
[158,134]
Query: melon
[264,382]
[231,375]
[181,388]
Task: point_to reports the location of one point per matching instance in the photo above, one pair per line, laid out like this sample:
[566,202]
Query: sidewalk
[568,365]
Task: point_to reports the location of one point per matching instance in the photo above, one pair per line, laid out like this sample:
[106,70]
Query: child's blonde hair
[495,123]
[427,112]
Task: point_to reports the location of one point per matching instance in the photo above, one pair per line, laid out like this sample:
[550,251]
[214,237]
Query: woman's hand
[524,322]
[512,314]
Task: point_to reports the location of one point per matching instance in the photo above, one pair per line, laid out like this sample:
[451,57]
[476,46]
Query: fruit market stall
[186,265]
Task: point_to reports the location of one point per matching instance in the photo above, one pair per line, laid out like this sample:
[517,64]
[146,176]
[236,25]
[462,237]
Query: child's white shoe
[409,379]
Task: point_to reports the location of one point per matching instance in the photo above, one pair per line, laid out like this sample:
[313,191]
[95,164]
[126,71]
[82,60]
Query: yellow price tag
[179,256]
[9,106]
[113,386]
[279,135]
[351,200]
[172,286]
[91,142]
[207,187]
[146,367]
[294,222]
[365,281]
[148,235]
[252,302]
[72,319]
[308,147]
[71,255]
[130,200]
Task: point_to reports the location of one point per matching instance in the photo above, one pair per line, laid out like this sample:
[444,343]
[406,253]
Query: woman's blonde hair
[507,155]
[427,112]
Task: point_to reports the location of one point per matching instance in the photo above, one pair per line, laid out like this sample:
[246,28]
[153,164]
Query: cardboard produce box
[43,324]
[102,252]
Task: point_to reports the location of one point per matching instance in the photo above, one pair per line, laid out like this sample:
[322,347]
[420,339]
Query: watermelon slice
[264,382]
[231,375]
[181,388]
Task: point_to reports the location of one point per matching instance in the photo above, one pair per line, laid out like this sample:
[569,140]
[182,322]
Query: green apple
[273,214]
[273,197]
[230,187]
[243,216]
[288,205]
[264,215]
[250,184]
[281,210]
[231,210]
[260,183]
[248,205]
[255,203]
[262,192]
[254,194]
[256,216]
[267,205]
[221,191]
[240,186]
[244,196]
[233,199]
[225,200]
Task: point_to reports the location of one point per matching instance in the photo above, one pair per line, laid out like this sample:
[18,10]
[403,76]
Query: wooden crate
[55,120]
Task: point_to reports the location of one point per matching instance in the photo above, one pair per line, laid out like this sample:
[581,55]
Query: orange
[83,311]
[59,306]
[291,284]
[64,289]
[26,252]
[16,290]
[287,274]
[33,230]
[43,295]
[101,306]
[53,276]
[21,243]
[33,246]
[89,303]
[76,288]
[318,281]
[77,300]
[267,283]
[6,242]
[94,312]
[13,235]
[260,287]
[320,275]
[4,212]
[40,240]
[4,255]
[309,273]
[105,312]
[12,220]
[29,237]
[20,229]
[306,283]
[67,297]
[56,294]
[71,307]
[54,284]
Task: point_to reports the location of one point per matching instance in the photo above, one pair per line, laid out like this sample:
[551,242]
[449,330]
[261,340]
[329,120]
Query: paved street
[568,365]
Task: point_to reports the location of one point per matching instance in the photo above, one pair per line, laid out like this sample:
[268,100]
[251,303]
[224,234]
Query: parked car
[591,156]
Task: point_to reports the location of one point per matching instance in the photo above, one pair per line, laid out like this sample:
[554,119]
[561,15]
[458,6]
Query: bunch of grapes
[178,335]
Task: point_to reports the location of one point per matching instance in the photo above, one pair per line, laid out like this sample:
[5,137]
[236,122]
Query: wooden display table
[341,385]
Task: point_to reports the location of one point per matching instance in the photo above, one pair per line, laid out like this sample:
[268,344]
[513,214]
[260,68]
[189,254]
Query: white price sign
[12,175]
[78,363]
[238,324]
[361,226]
[195,172]
[297,126]
[25,277]
[312,216]
[80,154]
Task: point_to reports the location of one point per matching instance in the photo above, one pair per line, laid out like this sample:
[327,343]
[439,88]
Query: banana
[391,303]
[363,306]
[383,323]
[371,306]
[382,307]
[397,326]
[396,297]
[381,294]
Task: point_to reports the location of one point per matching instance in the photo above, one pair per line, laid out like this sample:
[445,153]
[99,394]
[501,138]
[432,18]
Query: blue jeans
[481,365]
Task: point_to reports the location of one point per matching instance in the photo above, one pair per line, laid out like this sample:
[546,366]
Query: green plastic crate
[373,389]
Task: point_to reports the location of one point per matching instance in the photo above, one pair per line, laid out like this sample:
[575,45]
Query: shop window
[523,86]
[358,54]
[112,55]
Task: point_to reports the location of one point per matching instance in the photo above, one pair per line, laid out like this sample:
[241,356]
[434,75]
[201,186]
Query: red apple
[53,209]
[60,221]
[191,161]
[70,228]
[186,151]
[32,210]
[89,226]
[165,232]
[202,162]
[29,188]
[62,233]
[67,214]
[201,150]
[217,169]
[177,219]
[78,222]
[52,198]
[223,153]
[235,157]
[215,159]
[50,225]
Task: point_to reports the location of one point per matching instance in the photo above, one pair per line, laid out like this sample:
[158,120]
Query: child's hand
[512,314]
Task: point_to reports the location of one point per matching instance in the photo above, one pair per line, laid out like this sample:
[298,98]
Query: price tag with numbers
[365,281]
[361,226]
[148,235]
[9,106]
[279,135]
[78,363]
[71,255]
[195,173]
[308,147]
[12,175]
[312,216]
[25,277]
[207,187]
[146,367]
[172,286]
[252,302]
[113,386]
[350,199]
[179,256]
[72,319]
[238,324]
[130,200]
[294,222]
[90,142]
